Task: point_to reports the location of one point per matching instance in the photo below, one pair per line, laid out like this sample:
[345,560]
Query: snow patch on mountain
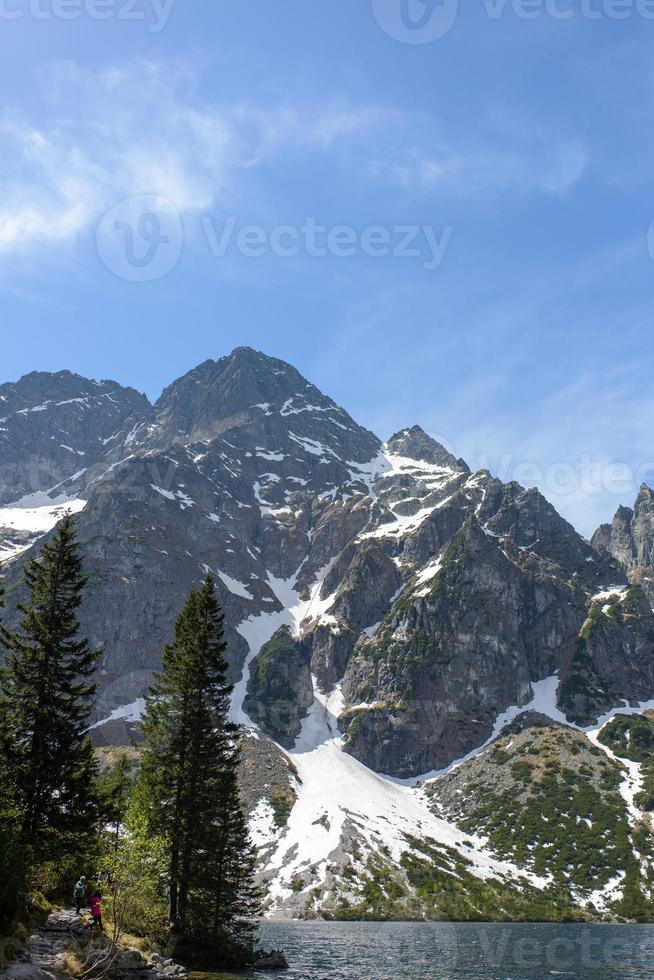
[543,702]
[426,576]
[334,789]
[618,591]
[32,516]
[234,586]
[262,826]
[126,712]
[258,628]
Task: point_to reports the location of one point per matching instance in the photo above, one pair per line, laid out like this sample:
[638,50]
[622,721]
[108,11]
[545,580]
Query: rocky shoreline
[44,956]
[49,950]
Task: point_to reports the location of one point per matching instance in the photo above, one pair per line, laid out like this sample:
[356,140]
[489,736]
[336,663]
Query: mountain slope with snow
[388,613]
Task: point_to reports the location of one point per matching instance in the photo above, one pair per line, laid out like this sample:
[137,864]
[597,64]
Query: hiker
[79,893]
[96,909]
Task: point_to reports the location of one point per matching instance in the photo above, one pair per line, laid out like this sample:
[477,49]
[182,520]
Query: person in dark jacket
[79,894]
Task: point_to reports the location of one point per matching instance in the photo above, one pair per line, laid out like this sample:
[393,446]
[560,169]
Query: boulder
[275,960]
[29,971]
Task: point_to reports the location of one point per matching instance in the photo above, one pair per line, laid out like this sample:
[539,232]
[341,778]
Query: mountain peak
[645,495]
[268,396]
[236,382]
[43,385]
[415,443]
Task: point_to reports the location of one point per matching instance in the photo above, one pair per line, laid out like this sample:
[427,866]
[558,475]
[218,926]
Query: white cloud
[145,129]
[138,130]
[129,134]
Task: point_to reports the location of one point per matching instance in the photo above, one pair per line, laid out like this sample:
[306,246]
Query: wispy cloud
[506,156]
[144,128]
[127,134]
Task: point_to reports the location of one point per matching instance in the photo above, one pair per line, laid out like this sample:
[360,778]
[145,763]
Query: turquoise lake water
[461,951]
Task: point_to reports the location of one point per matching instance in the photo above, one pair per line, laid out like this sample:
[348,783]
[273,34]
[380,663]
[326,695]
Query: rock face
[56,425]
[619,630]
[630,540]
[431,598]
[499,602]
[267,774]
[274,961]
[280,691]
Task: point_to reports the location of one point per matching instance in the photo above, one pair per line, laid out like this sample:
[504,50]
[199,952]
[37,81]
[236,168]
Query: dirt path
[41,958]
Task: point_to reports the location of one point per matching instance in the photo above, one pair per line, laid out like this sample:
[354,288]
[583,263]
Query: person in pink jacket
[96,910]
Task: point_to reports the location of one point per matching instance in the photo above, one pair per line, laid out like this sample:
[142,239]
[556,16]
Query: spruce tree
[226,876]
[14,855]
[45,702]
[189,781]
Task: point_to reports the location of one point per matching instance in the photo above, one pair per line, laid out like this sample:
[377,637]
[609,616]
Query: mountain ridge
[385,607]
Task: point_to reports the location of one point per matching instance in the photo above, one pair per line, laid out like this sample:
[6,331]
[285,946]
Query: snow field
[36,514]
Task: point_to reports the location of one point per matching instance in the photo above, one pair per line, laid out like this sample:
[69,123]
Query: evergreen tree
[226,875]
[189,781]
[13,854]
[45,701]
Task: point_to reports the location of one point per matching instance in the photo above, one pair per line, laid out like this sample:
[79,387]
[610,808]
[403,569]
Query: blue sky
[513,155]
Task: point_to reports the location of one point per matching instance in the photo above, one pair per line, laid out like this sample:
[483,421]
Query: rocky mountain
[388,612]
[57,425]
[629,538]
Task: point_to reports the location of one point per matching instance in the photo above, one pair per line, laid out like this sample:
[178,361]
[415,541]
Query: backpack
[79,891]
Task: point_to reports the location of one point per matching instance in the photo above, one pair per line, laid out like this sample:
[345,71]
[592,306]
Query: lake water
[460,951]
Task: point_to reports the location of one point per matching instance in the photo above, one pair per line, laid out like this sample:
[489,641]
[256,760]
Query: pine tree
[14,855]
[189,779]
[226,876]
[45,701]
